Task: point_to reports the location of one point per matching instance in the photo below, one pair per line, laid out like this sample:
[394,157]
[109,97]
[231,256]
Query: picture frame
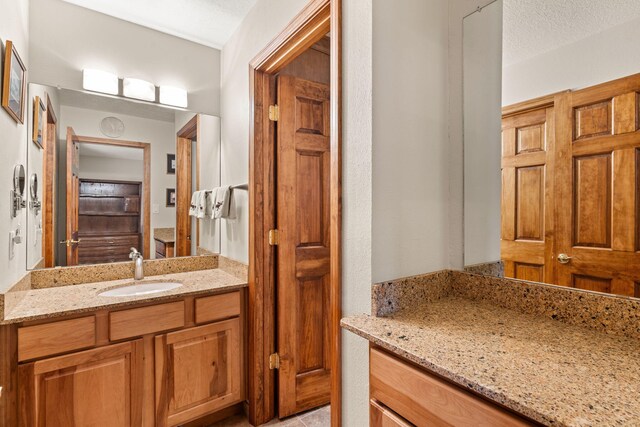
[171,164]
[14,83]
[38,121]
[171,197]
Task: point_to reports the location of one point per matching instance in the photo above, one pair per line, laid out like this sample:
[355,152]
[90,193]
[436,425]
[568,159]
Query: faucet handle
[134,254]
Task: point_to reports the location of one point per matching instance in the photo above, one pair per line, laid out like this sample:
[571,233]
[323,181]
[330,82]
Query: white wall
[263,22]
[410,137]
[482,61]
[79,38]
[605,56]
[161,136]
[14,26]
[210,177]
[111,169]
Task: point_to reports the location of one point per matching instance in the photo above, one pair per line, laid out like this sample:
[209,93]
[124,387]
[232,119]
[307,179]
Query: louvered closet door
[527,199]
[597,182]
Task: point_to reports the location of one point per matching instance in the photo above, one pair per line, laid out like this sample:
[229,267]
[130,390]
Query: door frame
[146,183]
[49,173]
[191,131]
[315,20]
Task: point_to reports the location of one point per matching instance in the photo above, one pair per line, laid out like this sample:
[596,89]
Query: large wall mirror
[115,173]
[552,143]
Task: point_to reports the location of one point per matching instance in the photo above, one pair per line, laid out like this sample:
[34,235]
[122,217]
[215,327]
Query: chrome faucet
[137,259]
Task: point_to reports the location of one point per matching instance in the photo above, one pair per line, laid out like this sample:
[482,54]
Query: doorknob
[564,258]
[69,242]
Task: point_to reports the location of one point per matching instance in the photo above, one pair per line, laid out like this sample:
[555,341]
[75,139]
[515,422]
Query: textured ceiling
[532,27]
[208,22]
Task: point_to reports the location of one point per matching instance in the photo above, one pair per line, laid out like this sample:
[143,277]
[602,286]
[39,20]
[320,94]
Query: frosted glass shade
[138,89]
[99,81]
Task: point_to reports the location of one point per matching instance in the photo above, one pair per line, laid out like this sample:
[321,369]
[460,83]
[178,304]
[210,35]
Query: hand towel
[210,200]
[202,204]
[221,206]
[193,211]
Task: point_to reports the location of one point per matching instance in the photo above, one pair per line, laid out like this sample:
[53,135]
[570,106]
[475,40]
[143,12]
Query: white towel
[193,211]
[221,206]
[201,204]
[210,200]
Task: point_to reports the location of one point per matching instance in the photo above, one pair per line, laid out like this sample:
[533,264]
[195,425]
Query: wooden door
[198,371]
[597,183]
[183,196]
[527,195]
[100,387]
[73,191]
[303,286]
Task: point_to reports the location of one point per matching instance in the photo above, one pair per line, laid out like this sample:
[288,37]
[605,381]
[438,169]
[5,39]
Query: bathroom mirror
[19,180]
[551,146]
[33,186]
[117,174]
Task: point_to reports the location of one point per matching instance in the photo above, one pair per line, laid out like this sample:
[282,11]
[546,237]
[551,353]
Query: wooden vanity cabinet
[198,370]
[99,387]
[404,395]
[164,364]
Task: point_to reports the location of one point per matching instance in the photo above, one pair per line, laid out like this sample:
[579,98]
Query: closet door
[527,195]
[597,182]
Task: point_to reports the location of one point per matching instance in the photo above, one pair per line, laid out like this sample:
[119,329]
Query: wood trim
[146,185]
[310,25]
[335,211]
[49,187]
[8,375]
[530,104]
[190,129]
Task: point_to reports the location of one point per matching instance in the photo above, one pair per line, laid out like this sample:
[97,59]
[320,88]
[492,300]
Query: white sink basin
[138,289]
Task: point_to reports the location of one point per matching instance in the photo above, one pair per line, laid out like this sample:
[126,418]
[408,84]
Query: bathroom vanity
[78,357]
[451,348]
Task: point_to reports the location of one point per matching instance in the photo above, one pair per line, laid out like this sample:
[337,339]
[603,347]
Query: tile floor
[320,417]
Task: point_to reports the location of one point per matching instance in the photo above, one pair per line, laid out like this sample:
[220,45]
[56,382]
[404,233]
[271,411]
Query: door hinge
[274,113]
[273,238]
[274,361]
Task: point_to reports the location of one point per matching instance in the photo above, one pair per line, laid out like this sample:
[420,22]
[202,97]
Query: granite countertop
[552,372]
[165,235]
[32,304]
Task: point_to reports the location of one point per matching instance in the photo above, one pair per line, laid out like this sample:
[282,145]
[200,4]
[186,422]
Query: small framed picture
[171,164]
[14,83]
[38,121]
[171,197]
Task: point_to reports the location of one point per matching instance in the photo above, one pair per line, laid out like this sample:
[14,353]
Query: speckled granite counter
[553,372]
[165,235]
[32,304]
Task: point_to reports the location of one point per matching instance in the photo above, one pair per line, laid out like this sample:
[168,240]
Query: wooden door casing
[304,245]
[597,183]
[527,195]
[198,371]
[183,196]
[73,191]
[99,387]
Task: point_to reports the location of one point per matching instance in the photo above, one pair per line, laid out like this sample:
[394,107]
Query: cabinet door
[198,371]
[99,387]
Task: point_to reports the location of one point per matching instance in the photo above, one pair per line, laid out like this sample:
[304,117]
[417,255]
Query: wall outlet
[155,208]
[12,244]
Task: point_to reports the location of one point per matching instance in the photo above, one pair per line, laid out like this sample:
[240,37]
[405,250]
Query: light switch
[155,208]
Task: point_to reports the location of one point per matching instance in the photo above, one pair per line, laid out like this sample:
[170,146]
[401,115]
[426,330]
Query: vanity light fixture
[138,89]
[170,95]
[100,81]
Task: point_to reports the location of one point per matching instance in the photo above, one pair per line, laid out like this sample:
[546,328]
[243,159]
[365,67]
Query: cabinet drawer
[107,241]
[381,416]
[217,307]
[425,399]
[161,247]
[56,337]
[145,320]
